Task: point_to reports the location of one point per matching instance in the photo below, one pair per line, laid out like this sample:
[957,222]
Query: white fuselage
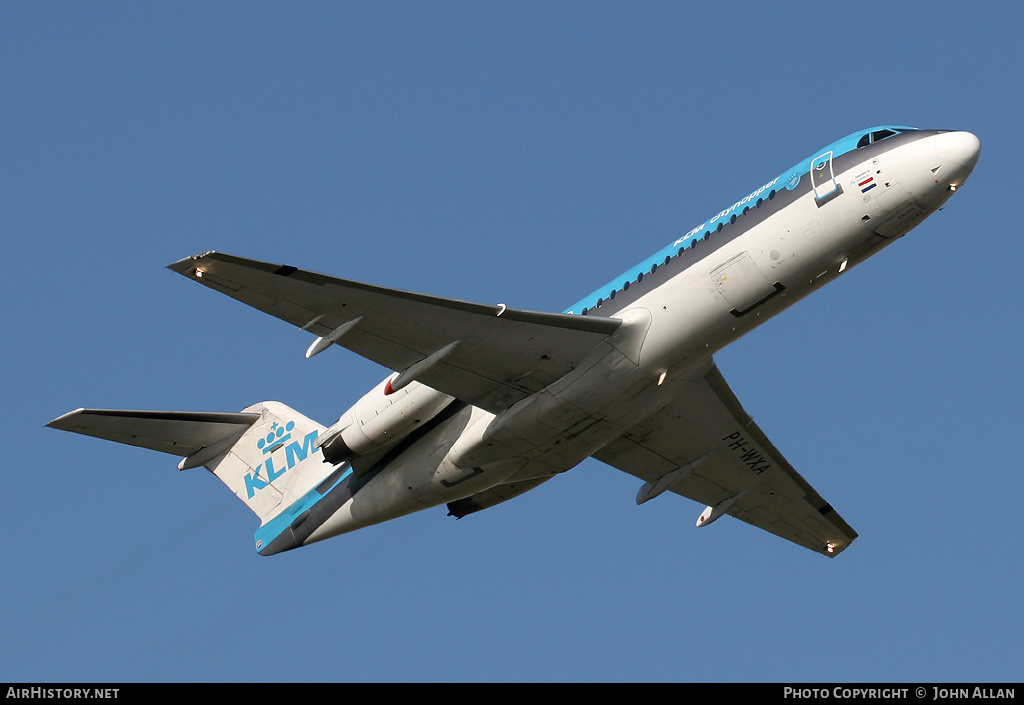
[684,311]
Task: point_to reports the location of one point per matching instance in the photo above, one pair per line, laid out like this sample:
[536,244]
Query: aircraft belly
[740,282]
[767,269]
[401,488]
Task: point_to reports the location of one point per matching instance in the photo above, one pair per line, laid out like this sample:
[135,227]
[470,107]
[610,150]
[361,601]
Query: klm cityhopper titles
[487,402]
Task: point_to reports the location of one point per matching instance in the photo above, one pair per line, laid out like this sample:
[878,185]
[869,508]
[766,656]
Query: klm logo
[294,453]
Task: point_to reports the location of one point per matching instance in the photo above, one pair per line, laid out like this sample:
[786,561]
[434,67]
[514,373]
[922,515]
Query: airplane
[486,402]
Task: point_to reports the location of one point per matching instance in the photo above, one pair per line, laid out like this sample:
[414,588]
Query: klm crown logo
[278,435]
[295,452]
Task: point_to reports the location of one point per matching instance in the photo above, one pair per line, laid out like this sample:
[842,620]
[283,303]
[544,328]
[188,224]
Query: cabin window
[876,136]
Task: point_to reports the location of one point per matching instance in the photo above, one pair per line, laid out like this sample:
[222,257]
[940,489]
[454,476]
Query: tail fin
[265,454]
[274,462]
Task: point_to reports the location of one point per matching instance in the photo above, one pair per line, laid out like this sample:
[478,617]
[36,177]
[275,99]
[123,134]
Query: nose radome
[960,147]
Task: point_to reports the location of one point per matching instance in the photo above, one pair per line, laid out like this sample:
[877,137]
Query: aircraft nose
[963,148]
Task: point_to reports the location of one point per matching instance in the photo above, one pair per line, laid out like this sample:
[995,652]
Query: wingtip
[60,423]
[833,549]
[187,264]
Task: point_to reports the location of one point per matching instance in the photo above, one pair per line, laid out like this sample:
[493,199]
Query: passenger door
[823,179]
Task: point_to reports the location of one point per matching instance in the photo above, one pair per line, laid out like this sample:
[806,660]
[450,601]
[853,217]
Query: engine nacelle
[382,417]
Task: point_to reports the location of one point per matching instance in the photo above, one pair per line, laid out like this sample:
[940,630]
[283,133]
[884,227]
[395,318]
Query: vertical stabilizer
[274,462]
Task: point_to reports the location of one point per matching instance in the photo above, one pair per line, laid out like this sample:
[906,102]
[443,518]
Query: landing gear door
[823,179]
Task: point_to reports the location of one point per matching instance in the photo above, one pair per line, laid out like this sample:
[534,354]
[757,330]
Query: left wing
[488,356]
[704,446]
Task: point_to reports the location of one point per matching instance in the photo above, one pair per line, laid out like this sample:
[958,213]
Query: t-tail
[267,454]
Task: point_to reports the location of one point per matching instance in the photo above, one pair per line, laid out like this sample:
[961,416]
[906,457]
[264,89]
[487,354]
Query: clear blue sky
[522,153]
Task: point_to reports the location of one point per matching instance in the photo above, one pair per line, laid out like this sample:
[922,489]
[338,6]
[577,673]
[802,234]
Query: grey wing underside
[490,356]
[707,420]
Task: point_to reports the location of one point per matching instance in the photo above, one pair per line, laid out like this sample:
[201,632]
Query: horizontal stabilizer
[182,433]
[266,454]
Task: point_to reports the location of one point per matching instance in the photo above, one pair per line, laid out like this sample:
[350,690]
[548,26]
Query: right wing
[490,356]
[706,447]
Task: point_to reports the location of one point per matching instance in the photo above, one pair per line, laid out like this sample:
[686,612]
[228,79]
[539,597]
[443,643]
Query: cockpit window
[875,136]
